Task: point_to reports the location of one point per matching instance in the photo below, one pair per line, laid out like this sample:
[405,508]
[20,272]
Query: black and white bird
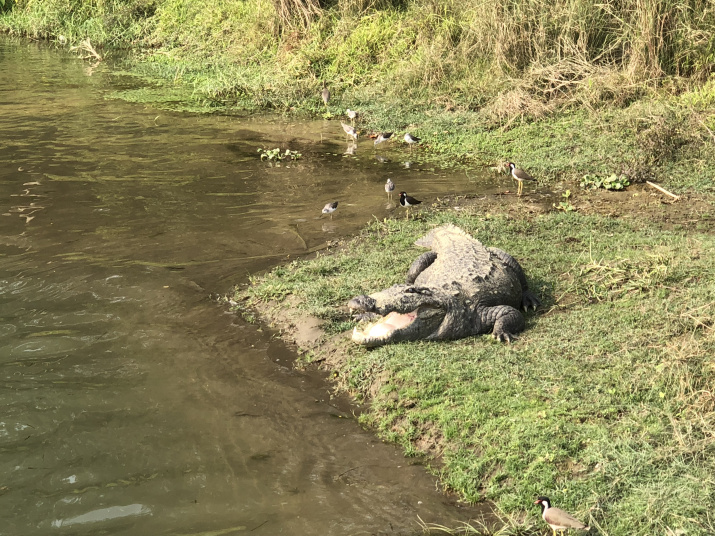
[520,176]
[349,130]
[382,136]
[330,208]
[556,518]
[389,187]
[411,140]
[407,202]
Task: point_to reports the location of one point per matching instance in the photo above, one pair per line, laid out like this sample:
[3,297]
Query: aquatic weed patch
[604,403]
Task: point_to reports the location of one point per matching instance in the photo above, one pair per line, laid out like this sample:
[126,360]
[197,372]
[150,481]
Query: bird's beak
[537,501]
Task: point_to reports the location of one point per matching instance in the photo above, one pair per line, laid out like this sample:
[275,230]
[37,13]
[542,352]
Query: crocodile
[457,289]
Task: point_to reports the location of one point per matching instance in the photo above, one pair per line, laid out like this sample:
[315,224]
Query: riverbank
[604,403]
[588,92]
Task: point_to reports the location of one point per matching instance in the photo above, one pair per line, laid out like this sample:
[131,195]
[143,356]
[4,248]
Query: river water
[132,403]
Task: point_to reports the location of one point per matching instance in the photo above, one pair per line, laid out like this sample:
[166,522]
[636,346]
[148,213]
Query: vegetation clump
[276,155]
[611,182]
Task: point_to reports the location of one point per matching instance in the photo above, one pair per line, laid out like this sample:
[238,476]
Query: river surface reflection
[131,402]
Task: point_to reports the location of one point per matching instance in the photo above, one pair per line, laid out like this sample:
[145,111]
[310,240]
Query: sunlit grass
[605,404]
[562,88]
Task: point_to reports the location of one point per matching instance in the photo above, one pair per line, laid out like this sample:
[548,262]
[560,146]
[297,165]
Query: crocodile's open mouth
[383,328]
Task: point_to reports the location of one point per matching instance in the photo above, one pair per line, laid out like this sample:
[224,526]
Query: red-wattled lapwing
[520,176]
[325,94]
[389,188]
[330,208]
[352,114]
[556,518]
[382,136]
[349,131]
[407,202]
[411,140]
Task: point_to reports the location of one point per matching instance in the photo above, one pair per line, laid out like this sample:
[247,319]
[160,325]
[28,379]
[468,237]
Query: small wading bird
[389,188]
[330,208]
[382,136]
[407,202]
[411,140]
[556,518]
[349,131]
[325,94]
[352,114]
[520,176]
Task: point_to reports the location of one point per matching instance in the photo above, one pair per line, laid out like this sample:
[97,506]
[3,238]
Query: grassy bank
[605,403]
[563,88]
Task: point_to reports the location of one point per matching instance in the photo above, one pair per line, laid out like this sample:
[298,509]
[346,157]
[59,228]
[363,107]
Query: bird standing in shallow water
[389,188]
[407,202]
[556,518]
[382,136]
[349,131]
[411,140]
[520,176]
[352,114]
[330,208]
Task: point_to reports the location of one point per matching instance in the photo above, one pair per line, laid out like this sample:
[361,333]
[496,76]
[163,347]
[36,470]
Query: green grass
[563,88]
[605,403]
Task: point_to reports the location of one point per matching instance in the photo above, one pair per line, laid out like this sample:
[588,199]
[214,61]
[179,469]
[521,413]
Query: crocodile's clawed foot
[529,300]
[505,336]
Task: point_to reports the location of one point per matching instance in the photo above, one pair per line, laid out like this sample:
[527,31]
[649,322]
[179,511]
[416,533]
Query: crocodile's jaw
[396,327]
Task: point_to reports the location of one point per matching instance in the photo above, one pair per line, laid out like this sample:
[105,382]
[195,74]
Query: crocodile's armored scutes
[457,289]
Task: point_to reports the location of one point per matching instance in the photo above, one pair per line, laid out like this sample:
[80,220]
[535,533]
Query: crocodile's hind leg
[419,265]
[504,321]
[528,299]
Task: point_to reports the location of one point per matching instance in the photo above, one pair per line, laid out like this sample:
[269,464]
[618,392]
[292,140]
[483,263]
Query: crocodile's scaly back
[460,259]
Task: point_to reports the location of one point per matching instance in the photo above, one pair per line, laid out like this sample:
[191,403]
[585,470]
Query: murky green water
[132,403]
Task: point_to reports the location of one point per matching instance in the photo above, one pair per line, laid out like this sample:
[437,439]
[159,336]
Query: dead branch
[676,197]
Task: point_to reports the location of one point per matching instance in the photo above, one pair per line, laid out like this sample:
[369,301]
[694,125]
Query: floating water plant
[276,155]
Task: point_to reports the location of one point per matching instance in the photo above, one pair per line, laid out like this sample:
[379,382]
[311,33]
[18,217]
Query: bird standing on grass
[349,131]
[382,136]
[556,518]
[407,202]
[330,208]
[389,188]
[411,140]
[520,176]
[325,94]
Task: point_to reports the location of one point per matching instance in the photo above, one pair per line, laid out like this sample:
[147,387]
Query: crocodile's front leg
[419,265]
[528,298]
[503,321]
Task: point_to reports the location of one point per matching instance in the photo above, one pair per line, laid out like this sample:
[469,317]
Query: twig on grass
[676,197]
